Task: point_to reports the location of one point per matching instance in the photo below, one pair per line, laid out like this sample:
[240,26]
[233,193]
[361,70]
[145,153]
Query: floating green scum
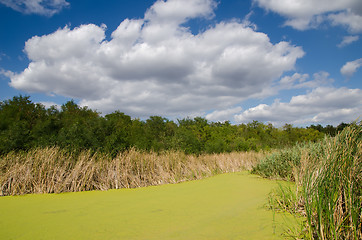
[228,206]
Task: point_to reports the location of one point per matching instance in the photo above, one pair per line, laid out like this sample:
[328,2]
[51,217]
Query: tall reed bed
[328,178]
[53,170]
[331,188]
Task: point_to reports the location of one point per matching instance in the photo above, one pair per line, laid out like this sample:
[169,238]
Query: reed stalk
[328,189]
[53,170]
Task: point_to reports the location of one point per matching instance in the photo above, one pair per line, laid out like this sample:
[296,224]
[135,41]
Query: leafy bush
[279,164]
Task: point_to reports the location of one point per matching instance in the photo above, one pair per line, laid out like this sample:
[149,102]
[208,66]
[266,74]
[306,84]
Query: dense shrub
[279,164]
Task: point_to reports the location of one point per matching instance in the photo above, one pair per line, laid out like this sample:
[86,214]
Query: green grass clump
[331,189]
[328,190]
[279,164]
[284,163]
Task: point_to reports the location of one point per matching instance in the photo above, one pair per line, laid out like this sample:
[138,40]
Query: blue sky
[282,61]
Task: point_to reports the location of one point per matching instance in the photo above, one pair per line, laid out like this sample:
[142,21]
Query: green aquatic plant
[279,164]
[328,190]
[331,188]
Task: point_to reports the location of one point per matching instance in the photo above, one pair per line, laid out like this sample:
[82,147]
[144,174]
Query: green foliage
[284,198]
[282,164]
[116,128]
[329,129]
[79,127]
[17,119]
[25,125]
[187,136]
[279,164]
[328,177]
[331,188]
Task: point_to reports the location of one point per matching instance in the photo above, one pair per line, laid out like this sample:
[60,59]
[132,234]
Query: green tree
[138,136]
[117,132]
[79,127]
[159,131]
[18,117]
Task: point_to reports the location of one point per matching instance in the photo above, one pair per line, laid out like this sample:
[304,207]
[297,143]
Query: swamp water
[227,206]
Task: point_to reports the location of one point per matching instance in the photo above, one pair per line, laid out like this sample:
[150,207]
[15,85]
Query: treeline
[329,129]
[25,125]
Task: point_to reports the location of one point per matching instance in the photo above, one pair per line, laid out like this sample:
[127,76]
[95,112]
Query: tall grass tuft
[328,190]
[331,188]
[284,164]
[53,170]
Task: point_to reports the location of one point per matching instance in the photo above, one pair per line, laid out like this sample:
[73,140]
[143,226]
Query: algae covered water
[228,206]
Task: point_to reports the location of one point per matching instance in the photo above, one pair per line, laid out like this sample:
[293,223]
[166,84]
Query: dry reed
[53,170]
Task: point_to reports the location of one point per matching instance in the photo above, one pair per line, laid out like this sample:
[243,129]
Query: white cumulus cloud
[350,68]
[349,19]
[348,40]
[41,7]
[321,105]
[223,115]
[155,65]
[310,13]
[298,80]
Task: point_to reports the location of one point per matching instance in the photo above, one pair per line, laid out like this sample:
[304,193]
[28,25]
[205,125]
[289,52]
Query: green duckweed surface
[228,206]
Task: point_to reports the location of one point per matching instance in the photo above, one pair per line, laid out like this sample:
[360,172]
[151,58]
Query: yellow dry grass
[53,170]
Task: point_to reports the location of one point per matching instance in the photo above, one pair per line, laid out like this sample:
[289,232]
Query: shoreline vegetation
[53,170]
[328,178]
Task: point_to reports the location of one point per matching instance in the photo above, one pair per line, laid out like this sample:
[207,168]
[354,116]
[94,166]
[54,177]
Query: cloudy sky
[277,61]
